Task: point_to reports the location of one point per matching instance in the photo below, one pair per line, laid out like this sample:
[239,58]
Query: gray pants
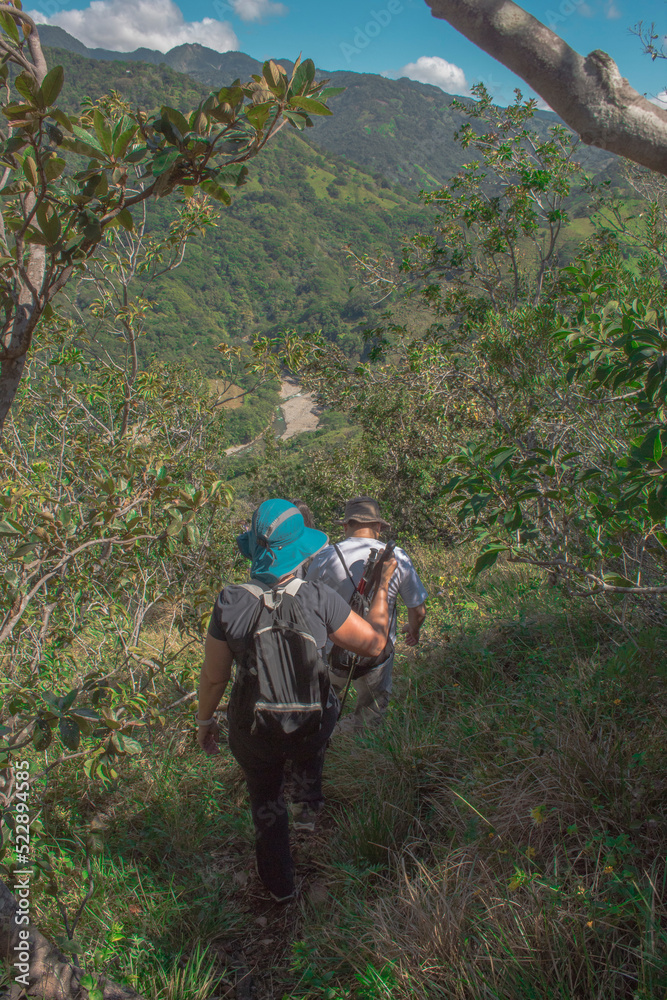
[373,691]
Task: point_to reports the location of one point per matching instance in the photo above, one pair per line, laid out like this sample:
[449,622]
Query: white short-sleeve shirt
[327,568]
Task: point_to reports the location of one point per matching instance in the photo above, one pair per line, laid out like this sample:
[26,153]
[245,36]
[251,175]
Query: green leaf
[42,735]
[69,699]
[176,119]
[656,508]
[487,558]
[165,159]
[69,733]
[258,115]
[85,713]
[8,24]
[616,580]
[331,92]
[175,526]
[61,118]
[26,87]
[513,519]
[216,191]
[137,154]
[91,229]
[8,531]
[82,148]
[49,222]
[303,77]
[123,141]
[124,744]
[503,457]
[53,167]
[310,105]
[51,86]
[235,174]
[23,550]
[13,145]
[125,219]
[30,170]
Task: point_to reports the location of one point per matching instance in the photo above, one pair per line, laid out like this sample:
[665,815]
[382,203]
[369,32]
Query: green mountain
[398,129]
[276,258]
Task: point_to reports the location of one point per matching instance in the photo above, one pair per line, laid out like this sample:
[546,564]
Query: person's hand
[411,636]
[388,570]
[208,737]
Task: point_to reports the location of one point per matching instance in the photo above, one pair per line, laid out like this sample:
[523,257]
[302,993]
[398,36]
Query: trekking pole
[347,689]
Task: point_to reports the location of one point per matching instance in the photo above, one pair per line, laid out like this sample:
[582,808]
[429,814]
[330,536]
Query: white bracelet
[205,722]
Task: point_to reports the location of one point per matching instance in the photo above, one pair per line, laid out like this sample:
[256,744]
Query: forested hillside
[276,256]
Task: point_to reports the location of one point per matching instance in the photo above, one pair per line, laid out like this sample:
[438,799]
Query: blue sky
[385,36]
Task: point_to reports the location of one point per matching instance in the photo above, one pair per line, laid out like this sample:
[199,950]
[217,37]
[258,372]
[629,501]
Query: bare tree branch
[588,93]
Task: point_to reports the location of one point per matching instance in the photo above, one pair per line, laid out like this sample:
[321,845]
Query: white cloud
[542,105]
[660,99]
[436,71]
[125,25]
[257,10]
[611,11]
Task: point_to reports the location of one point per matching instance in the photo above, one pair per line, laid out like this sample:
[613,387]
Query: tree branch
[588,93]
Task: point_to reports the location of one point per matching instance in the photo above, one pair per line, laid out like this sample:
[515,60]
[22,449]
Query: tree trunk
[589,94]
[51,976]
[10,379]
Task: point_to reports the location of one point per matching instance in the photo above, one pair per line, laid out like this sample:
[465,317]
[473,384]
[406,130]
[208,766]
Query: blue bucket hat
[278,541]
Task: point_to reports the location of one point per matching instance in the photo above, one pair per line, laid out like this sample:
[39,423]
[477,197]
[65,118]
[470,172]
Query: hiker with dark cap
[341,567]
[281,706]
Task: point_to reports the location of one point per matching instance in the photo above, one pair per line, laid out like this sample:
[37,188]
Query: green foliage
[107,510]
[531,415]
[596,519]
[54,220]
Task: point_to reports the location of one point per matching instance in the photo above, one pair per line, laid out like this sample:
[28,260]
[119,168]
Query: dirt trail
[300,413]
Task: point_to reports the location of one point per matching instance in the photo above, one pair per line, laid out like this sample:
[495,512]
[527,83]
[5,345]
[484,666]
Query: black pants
[263,762]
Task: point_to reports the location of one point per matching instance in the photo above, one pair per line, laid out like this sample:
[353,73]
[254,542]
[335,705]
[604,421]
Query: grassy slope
[503,836]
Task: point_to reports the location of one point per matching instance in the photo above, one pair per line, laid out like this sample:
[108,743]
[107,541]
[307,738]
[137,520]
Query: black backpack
[351,665]
[282,686]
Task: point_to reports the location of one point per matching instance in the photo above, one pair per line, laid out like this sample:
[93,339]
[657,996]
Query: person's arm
[416,618]
[368,636]
[213,680]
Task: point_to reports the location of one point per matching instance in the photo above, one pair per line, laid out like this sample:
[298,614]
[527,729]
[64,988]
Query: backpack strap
[253,588]
[345,566]
[269,595]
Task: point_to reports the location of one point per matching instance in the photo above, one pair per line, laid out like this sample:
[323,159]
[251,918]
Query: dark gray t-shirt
[235,611]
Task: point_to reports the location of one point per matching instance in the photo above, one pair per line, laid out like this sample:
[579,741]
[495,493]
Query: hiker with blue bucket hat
[282,706]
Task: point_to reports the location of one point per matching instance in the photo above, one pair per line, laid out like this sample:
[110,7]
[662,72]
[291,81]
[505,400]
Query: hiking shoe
[281,899]
[304,816]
